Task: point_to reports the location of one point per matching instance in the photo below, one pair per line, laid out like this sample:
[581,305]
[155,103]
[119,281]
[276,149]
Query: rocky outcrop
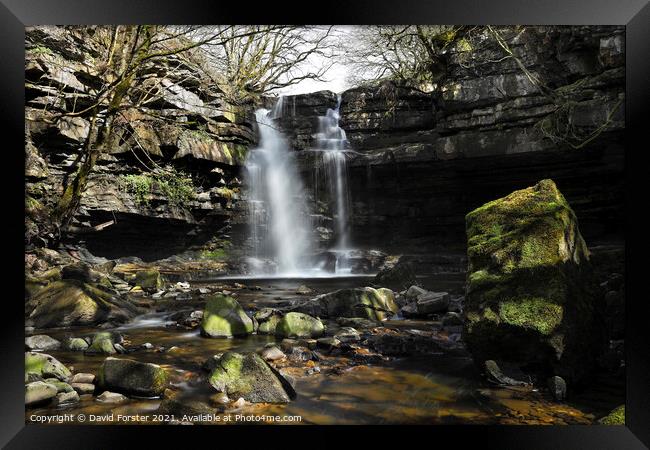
[530,294]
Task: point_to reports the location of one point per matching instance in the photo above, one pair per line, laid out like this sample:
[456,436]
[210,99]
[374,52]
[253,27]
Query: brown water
[435,389]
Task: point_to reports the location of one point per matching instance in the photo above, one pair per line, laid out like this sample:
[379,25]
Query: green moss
[616,417]
[536,313]
[39,50]
[218,254]
[224,317]
[138,185]
[299,325]
[176,187]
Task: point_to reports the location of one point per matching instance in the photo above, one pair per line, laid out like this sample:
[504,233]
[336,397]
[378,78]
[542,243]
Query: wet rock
[248,376]
[400,276]
[531,297]
[494,373]
[452,319]
[347,334]
[299,325]
[304,290]
[432,303]
[83,378]
[212,362]
[82,272]
[557,386]
[66,398]
[45,366]
[111,397]
[39,392]
[76,344]
[328,343]
[616,417]
[72,302]
[409,310]
[59,385]
[132,377]
[300,354]
[224,317]
[41,342]
[367,302]
[102,343]
[272,353]
[268,319]
[149,280]
[83,388]
[414,292]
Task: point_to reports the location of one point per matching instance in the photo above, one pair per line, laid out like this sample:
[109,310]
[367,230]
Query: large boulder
[224,317]
[299,325]
[41,342]
[530,297]
[248,376]
[45,366]
[73,302]
[132,377]
[39,392]
[366,302]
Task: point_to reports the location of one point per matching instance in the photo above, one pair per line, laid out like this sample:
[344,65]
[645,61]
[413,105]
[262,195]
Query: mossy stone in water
[76,344]
[247,376]
[45,366]
[149,279]
[39,392]
[530,293]
[616,417]
[132,377]
[224,317]
[299,325]
[365,302]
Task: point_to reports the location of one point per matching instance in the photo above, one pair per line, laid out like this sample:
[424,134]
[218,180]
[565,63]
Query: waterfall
[332,144]
[279,228]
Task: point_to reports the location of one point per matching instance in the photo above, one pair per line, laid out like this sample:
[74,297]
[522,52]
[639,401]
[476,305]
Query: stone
[224,317]
[432,302]
[248,376]
[132,377]
[102,343]
[72,302]
[328,343]
[272,353]
[66,398]
[531,297]
[111,397]
[557,386]
[45,366]
[76,344]
[414,292]
[60,386]
[400,276]
[494,373]
[39,392]
[41,342]
[616,417]
[347,334]
[83,388]
[299,325]
[83,378]
[304,290]
[268,320]
[365,303]
[149,280]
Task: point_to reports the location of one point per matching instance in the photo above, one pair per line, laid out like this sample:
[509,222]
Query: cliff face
[419,162]
[424,160]
[190,129]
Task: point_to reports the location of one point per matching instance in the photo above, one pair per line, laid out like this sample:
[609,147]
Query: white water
[280,228]
[332,143]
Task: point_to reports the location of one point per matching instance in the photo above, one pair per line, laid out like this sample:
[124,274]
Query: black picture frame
[16,14]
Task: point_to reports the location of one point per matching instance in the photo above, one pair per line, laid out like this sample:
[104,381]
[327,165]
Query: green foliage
[219,254]
[39,50]
[176,187]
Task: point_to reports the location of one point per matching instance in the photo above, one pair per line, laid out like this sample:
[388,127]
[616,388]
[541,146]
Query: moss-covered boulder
[149,280]
[530,294]
[76,344]
[73,302]
[366,302]
[132,377]
[45,366]
[39,392]
[616,417]
[267,319]
[248,376]
[102,343]
[224,317]
[299,325]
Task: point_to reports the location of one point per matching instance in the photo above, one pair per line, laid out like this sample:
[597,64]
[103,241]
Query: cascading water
[280,229]
[332,144]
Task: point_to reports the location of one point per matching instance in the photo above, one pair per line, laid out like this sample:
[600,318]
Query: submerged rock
[248,376]
[529,297]
[132,377]
[299,325]
[41,342]
[45,366]
[366,303]
[224,317]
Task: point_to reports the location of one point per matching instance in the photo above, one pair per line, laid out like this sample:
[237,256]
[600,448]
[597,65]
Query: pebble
[111,397]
